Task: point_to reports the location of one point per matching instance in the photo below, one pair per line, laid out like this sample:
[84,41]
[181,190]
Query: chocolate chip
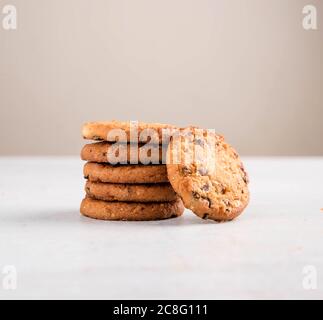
[235,154]
[199,142]
[206,187]
[196,195]
[245,175]
[86,177]
[96,138]
[205,216]
[203,171]
[209,201]
[186,171]
[226,202]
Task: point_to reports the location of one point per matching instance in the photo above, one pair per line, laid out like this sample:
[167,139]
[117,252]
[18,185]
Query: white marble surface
[59,254]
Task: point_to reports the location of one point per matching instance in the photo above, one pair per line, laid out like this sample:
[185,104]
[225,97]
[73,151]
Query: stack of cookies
[128,177]
[124,180]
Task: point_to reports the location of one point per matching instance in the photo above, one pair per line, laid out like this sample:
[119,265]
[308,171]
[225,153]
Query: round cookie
[132,211]
[100,130]
[98,172]
[99,152]
[215,188]
[130,192]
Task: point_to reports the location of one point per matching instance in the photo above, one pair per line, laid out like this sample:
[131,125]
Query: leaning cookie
[215,188]
[130,192]
[106,130]
[101,172]
[131,211]
[106,152]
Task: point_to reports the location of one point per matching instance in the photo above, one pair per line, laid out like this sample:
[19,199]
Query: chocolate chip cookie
[214,188]
[99,172]
[132,211]
[106,152]
[130,192]
[101,130]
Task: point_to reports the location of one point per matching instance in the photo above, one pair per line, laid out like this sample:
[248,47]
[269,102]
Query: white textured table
[274,250]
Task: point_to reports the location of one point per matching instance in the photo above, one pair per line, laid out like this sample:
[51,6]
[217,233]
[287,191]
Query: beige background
[246,68]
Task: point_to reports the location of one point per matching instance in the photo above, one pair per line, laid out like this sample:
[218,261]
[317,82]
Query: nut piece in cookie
[213,183]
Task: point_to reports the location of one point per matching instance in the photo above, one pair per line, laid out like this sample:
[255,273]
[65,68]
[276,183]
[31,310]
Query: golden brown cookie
[134,211]
[100,130]
[105,151]
[130,192]
[213,187]
[98,172]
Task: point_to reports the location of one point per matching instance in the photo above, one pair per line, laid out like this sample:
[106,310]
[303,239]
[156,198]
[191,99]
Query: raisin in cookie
[130,192]
[99,172]
[132,211]
[214,185]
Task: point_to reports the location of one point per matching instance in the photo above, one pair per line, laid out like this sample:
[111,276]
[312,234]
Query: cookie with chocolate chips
[131,211]
[103,172]
[111,153]
[155,192]
[207,173]
[105,130]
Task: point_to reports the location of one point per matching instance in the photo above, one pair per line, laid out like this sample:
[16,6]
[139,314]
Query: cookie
[106,152]
[134,211]
[101,130]
[98,172]
[215,188]
[130,192]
